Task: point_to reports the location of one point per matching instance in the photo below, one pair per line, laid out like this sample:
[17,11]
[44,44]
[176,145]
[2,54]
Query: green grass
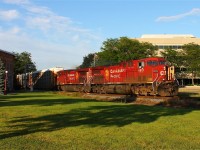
[46,120]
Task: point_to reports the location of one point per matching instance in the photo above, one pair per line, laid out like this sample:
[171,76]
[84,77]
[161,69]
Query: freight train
[45,79]
[148,76]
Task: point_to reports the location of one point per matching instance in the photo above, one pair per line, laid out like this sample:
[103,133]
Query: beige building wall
[174,41]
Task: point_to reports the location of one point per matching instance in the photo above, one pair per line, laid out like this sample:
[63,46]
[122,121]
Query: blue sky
[61,32]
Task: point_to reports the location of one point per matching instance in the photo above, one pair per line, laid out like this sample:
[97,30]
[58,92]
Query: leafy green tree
[109,52]
[176,58]
[188,58]
[23,63]
[123,49]
[149,49]
[2,76]
[192,59]
[87,61]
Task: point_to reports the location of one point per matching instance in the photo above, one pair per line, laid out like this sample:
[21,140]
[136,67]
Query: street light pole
[6,77]
[94,59]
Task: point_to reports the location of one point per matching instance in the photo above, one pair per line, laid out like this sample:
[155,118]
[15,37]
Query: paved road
[190,89]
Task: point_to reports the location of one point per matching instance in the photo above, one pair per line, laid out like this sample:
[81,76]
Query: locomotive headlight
[162,73]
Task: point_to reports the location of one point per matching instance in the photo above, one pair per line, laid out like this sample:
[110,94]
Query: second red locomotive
[149,76]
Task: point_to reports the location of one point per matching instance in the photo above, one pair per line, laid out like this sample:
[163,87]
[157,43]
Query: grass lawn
[46,120]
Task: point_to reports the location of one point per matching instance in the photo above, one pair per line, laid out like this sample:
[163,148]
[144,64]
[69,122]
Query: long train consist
[149,76]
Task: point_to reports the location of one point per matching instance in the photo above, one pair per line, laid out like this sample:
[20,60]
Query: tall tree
[23,63]
[124,49]
[2,76]
[192,57]
[188,58]
[87,61]
[175,57]
[109,52]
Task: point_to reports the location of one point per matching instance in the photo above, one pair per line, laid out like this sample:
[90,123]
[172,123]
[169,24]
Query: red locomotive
[149,76]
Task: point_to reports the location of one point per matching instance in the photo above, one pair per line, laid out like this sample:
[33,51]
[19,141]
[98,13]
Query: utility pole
[6,78]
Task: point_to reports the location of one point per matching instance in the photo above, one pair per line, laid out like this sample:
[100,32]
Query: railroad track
[174,101]
[130,99]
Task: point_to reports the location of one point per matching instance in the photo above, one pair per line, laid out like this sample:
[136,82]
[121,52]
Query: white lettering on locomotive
[71,75]
[117,70]
[71,78]
[115,76]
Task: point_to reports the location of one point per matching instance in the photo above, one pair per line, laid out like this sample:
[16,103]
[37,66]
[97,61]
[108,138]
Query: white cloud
[9,15]
[52,39]
[193,12]
[44,53]
[17,1]
[42,18]
[15,30]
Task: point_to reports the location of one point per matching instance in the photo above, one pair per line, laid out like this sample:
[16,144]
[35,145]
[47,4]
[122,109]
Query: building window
[175,47]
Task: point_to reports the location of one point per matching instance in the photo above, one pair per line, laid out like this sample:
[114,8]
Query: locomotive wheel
[175,90]
[133,90]
[94,89]
[87,89]
[167,90]
[80,89]
[98,89]
[103,90]
[61,88]
[140,90]
[163,92]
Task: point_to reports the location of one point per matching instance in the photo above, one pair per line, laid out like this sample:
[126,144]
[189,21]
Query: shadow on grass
[92,116]
[189,94]
[44,102]
[40,100]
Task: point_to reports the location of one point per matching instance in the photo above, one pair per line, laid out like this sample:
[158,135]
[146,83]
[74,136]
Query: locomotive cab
[156,77]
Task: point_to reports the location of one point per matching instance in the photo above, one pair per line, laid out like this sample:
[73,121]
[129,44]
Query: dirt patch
[182,102]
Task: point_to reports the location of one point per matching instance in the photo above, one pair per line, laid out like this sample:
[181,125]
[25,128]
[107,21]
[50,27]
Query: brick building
[8,60]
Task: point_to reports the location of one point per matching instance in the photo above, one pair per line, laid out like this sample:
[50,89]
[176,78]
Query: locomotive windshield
[155,63]
[152,63]
[162,62]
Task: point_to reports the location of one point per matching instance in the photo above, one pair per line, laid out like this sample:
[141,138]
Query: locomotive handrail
[154,82]
[88,82]
[176,81]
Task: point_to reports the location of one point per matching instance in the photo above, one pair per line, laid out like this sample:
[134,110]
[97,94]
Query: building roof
[169,39]
[168,36]
[6,52]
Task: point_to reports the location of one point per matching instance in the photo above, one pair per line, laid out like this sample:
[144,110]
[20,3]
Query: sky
[59,33]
